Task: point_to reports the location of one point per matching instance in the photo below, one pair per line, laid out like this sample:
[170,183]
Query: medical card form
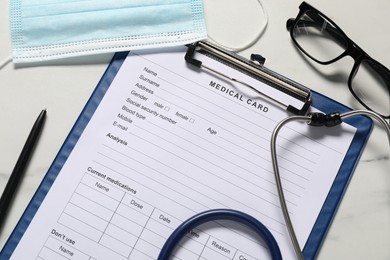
[168,141]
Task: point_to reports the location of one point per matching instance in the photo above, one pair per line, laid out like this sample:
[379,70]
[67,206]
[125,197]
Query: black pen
[17,173]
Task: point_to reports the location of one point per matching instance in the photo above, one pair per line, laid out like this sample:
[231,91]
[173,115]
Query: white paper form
[168,141]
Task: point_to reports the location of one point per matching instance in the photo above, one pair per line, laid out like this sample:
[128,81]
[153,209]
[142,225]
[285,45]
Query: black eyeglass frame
[352,50]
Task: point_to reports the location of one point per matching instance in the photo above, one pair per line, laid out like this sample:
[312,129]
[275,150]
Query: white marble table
[361,228]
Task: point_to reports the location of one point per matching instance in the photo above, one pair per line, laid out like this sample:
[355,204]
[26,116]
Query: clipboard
[307,97]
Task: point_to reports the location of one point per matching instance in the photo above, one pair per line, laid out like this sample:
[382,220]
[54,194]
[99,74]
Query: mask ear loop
[5,62]
[249,44]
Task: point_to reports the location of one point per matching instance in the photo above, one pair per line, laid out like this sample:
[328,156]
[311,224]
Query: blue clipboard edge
[364,127]
[63,154]
[362,123]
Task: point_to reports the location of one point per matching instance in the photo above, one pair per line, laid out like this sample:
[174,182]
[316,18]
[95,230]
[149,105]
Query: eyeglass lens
[322,41]
[371,84]
[318,37]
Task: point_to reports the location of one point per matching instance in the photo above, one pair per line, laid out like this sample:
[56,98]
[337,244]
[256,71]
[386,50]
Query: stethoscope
[312,119]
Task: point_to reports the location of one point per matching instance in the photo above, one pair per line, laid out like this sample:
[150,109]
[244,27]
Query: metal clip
[257,71]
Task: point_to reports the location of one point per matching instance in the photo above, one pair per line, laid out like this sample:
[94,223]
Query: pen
[17,172]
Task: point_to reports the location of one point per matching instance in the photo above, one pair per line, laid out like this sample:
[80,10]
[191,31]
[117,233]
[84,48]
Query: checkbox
[166,108]
[192,120]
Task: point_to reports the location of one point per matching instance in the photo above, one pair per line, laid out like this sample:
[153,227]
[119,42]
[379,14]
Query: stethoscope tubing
[220,214]
[257,226]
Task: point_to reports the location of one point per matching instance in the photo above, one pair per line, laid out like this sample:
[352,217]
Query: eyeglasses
[324,42]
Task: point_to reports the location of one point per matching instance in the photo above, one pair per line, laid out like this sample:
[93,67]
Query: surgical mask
[50,29]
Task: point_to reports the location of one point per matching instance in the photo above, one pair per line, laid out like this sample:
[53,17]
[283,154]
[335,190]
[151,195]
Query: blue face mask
[51,29]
